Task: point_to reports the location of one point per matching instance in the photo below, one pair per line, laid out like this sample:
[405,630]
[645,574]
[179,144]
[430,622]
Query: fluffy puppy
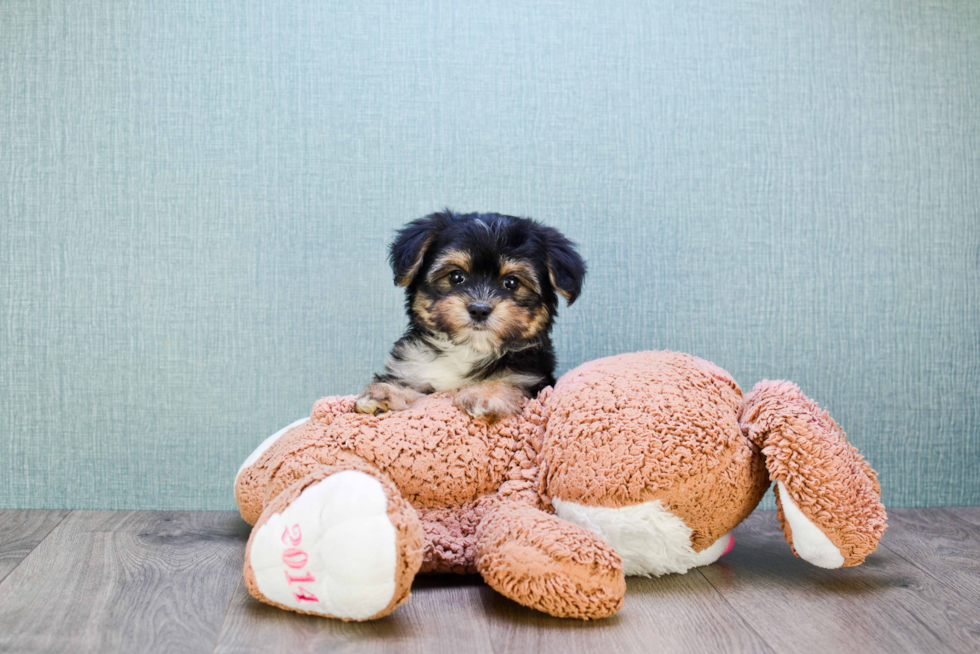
[481,296]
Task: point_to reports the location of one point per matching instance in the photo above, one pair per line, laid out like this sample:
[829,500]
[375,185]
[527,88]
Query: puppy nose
[479,311]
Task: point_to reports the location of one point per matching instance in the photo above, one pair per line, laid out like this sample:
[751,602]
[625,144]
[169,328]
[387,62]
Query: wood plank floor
[101,581]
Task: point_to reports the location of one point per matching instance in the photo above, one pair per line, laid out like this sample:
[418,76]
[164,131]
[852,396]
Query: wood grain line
[21,531]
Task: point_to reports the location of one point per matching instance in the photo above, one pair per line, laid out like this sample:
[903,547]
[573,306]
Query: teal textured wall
[195,199]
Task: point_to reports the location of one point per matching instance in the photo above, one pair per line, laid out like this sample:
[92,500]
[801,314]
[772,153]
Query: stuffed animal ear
[408,250]
[566,269]
[828,496]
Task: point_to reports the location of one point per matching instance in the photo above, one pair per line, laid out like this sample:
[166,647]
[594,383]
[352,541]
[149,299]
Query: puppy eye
[511,283]
[456,278]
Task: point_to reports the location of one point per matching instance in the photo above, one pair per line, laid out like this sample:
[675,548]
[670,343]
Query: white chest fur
[445,367]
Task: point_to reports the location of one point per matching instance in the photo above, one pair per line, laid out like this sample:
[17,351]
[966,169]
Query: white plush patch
[267,443]
[649,539]
[808,540]
[332,551]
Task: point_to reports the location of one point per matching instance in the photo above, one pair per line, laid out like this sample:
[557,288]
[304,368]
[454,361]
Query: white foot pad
[809,541]
[331,551]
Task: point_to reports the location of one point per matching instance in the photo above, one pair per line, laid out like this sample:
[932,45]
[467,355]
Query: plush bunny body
[635,464]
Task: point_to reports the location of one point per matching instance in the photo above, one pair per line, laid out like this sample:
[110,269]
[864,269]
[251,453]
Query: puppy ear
[566,269]
[408,250]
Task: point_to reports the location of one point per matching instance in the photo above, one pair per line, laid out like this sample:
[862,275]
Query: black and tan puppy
[481,298]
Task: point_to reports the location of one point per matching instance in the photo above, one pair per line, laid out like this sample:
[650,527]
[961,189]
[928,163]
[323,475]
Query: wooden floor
[85,581]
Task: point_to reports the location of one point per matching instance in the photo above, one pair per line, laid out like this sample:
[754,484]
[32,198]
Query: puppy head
[487,280]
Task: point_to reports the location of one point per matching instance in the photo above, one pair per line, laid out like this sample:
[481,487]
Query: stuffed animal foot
[340,543]
[541,561]
[809,542]
[828,497]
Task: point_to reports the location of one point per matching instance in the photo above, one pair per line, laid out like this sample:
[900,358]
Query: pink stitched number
[290,579]
[304,595]
[294,558]
[295,537]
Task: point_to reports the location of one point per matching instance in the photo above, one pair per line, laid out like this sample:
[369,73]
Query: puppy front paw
[370,405]
[490,401]
[382,397]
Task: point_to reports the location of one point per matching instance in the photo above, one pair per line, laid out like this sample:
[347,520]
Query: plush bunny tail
[828,496]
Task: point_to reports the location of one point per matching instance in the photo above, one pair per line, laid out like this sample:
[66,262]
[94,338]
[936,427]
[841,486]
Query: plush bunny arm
[546,563]
[828,496]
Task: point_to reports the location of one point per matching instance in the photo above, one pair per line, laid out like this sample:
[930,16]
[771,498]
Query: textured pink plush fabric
[449,467]
[613,432]
[654,426]
[549,564]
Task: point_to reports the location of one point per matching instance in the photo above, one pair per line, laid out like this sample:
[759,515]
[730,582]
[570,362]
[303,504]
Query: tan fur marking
[405,279]
[565,294]
[536,323]
[490,401]
[452,311]
[383,397]
[523,270]
[421,307]
[509,320]
[448,260]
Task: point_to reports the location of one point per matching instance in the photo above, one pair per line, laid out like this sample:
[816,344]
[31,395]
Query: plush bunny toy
[635,464]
